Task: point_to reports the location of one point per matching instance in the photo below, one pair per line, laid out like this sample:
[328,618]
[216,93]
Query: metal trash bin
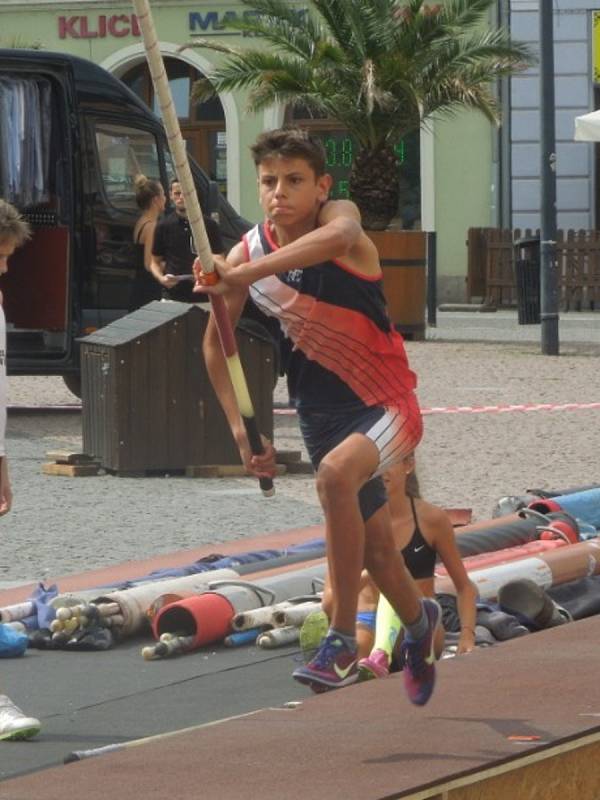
[527,278]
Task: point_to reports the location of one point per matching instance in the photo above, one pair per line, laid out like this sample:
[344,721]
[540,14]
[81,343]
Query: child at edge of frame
[14,232]
[311,266]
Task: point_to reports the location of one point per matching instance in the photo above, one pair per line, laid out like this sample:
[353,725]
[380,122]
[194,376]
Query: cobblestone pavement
[64,525]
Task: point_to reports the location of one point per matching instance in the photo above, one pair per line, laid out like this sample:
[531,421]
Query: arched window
[202,124]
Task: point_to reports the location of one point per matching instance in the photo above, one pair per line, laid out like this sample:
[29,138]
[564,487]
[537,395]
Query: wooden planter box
[403,256]
[147,403]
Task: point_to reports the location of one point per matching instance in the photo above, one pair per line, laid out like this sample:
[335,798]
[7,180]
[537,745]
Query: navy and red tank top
[342,351]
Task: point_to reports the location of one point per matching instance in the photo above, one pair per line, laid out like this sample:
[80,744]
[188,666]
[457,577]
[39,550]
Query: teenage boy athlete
[311,266]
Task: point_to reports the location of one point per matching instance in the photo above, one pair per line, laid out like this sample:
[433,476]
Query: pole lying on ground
[194,212]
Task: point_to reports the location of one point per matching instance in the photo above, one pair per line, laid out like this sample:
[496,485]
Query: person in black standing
[150,198]
[172,253]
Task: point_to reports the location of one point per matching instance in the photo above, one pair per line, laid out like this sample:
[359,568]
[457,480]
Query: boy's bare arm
[339,235]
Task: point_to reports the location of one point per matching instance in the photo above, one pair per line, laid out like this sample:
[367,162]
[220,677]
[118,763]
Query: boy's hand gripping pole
[194,212]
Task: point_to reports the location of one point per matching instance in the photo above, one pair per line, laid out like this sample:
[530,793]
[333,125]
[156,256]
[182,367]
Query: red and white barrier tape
[502,409]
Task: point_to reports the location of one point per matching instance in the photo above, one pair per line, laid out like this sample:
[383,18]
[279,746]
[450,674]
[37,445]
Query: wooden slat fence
[491,272]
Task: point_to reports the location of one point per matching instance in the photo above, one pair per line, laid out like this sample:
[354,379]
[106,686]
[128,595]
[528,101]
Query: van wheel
[73,383]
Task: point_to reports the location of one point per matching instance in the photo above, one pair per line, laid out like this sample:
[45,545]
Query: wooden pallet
[69,464]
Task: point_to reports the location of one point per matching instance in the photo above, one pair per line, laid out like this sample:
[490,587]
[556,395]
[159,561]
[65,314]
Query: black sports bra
[419,556]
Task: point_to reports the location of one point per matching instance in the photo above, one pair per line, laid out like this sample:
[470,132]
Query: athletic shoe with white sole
[14,725]
[418,658]
[334,666]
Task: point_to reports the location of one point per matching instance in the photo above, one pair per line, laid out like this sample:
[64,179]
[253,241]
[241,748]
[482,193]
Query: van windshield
[124,153]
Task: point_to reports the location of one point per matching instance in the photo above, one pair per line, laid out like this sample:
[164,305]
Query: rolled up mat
[17,612]
[256,617]
[278,637]
[583,505]
[557,566]
[504,556]
[247,636]
[530,603]
[295,615]
[495,534]
[136,601]
[513,503]
[542,493]
[203,619]
[554,524]
[240,596]
[581,598]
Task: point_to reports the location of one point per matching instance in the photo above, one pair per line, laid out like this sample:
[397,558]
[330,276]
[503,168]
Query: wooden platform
[520,720]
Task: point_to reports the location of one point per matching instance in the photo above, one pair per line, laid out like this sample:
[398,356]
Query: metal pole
[548,266]
[431,279]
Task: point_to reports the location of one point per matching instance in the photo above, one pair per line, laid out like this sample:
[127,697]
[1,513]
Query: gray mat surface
[86,700]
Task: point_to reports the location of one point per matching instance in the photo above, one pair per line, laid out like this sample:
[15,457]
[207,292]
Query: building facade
[449,171]
[577,84]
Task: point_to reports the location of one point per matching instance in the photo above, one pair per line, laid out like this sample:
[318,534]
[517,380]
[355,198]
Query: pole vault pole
[194,212]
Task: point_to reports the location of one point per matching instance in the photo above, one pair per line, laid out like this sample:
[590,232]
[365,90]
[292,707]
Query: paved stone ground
[65,525]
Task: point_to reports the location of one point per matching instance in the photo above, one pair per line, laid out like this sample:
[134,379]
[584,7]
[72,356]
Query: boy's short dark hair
[290,143]
[12,225]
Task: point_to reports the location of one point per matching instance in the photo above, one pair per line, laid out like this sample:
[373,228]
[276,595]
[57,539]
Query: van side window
[124,152]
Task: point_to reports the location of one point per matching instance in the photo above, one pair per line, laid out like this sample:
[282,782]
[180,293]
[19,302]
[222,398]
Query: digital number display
[340,149]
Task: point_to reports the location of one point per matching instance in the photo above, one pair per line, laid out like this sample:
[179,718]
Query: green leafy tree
[379,68]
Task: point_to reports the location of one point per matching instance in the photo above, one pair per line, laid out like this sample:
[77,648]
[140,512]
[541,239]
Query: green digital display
[340,150]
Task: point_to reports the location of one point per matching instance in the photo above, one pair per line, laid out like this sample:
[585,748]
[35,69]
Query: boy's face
[289,191]
[7,248]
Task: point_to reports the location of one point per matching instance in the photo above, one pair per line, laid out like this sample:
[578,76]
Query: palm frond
[462,15]
[378,67]
[343,23]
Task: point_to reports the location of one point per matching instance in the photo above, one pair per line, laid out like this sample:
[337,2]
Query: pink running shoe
[376,665]
[418,658]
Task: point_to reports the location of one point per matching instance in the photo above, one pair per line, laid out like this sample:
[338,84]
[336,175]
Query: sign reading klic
[117,26]
[101,27]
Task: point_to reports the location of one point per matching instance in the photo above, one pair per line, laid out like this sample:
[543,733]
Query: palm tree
[379,68]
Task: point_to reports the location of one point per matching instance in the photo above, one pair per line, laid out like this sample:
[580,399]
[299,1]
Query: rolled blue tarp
[582,505]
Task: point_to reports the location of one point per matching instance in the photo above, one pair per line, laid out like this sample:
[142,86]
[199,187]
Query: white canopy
[587,127]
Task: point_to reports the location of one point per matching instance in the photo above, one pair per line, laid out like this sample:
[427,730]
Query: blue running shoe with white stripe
[334,666]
